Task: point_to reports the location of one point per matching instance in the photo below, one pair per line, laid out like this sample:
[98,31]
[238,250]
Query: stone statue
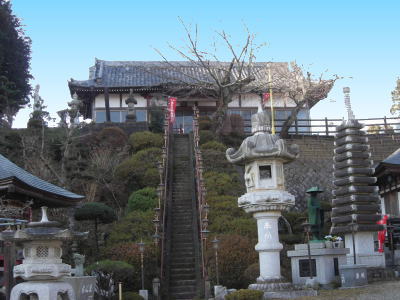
[79,260]
[37,100]
[315,213]
[131,102]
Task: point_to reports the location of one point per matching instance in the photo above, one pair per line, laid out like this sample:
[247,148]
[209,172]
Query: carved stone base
[281,290]
[266,200]
[50,290]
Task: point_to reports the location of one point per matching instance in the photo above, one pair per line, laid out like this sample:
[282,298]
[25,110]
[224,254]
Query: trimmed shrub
[252,272]
[145,139]
[112,137]
[223,184]
[214,145]
[140,170]
[216,161]
[129,252]
[133,227]
[205,123]
[236,253]
[245,295]
[131,296]
[143,199]
[156,119]
[119,270]
[95,211]
[206,136]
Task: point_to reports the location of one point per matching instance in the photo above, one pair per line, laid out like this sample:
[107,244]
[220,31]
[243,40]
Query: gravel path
[376,291]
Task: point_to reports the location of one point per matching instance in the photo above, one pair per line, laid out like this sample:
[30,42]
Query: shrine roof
[17,180]
[393,159]
[390,163]
[147,74]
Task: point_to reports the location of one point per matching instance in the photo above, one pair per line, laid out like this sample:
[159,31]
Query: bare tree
[395,109]
[204,73]
[304,91]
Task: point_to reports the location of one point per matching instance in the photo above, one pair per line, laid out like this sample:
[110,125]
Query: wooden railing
[202,205]
[327,126]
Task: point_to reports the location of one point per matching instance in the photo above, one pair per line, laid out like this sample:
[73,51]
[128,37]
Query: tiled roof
[9,170]
[393,159]
[156,73]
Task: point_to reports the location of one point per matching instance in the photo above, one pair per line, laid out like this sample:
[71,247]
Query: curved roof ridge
[9,170]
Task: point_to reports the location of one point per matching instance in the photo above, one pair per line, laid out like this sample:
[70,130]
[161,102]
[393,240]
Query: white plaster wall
[248,100]
[207,103]
[115,100]
[99,101]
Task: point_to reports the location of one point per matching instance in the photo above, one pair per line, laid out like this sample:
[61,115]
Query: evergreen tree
[15,55]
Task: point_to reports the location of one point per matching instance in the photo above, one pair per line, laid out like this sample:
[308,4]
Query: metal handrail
[202,206]
[163,194]
[327,126]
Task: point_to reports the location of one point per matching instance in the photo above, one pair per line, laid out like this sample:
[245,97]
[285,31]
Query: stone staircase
[183,263]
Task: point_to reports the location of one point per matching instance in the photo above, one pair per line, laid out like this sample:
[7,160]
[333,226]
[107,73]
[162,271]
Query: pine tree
[15,55]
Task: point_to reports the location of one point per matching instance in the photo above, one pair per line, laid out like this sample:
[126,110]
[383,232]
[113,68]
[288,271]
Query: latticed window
[42,251]
[57,252]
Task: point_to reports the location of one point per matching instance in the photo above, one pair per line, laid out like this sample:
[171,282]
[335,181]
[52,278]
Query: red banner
[172,108]
[266,97]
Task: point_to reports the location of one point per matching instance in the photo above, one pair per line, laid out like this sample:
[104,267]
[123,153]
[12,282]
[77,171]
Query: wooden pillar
[9,261]
[107,102]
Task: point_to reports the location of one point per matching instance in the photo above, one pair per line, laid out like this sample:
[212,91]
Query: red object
[382,233]
[266,97]
[172,108]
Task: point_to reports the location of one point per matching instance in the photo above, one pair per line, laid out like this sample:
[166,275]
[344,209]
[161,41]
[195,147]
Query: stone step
[183,282]
[176,270]
[175,290]
[189,276]
[181,260]
[184,296]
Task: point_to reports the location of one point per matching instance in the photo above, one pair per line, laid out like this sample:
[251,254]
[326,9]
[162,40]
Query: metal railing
[202,205]
[327,127]
[160,218]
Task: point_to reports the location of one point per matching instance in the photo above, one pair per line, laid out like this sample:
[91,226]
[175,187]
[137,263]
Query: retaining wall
[314,166]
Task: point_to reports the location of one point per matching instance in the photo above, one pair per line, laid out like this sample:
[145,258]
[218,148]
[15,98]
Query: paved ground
[376,291]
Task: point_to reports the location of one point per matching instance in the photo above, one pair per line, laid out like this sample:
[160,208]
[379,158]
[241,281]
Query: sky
[357,40]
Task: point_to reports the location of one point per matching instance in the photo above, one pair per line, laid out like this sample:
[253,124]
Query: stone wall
[314,166]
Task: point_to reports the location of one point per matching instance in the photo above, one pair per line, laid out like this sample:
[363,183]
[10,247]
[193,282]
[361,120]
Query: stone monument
[263,156]
[355,201]
[42,267]
[131,102]
[315,262]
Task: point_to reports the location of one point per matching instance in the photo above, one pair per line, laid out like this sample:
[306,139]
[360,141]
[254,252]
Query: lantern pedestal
[266,207]
[268,246]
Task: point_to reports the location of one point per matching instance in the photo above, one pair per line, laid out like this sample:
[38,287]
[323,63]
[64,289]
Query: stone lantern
[263,156]
[42,267]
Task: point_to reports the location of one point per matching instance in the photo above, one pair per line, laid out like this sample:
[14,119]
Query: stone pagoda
[42,267]
[263,155]
[355,203]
